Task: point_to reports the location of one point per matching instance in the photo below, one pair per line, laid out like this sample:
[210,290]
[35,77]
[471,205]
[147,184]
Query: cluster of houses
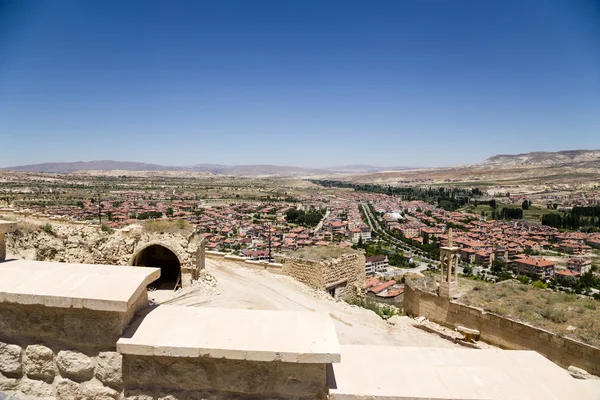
[481,241]
[251,228]
[388,290]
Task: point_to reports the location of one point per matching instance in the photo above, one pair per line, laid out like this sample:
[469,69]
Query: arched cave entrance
[158,256]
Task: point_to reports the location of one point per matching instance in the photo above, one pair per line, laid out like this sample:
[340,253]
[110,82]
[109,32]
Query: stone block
[474,311]
[137,395]
[7,383]
[544,336]
[74,365]
[109,369]
[38,362]
[37,389]
[94,390]
[66,389]
[11,359]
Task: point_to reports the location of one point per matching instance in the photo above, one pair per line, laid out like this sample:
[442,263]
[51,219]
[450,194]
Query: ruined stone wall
[84,244]
[344,275]
[349,268]
[501,331]
[309,272]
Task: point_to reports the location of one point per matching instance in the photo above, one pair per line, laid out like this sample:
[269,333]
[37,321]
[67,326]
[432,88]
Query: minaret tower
[449,257]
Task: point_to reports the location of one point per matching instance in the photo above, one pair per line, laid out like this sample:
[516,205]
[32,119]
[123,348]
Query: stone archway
[158,255]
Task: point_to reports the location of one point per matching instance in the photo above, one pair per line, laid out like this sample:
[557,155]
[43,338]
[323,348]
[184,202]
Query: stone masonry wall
[185,378]
[62,353]
[503,332]
[70,354]
[349,268]
[309,272]
[44,372]
[346,273]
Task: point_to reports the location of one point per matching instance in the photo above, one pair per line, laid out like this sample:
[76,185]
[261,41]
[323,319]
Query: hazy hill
[545,158]
[238,170]
[102,165]
[358,168]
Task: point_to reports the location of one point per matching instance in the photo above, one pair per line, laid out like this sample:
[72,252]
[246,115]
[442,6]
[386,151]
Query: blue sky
[323,83]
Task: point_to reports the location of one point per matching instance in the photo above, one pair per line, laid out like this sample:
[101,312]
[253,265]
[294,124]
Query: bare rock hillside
[545,158]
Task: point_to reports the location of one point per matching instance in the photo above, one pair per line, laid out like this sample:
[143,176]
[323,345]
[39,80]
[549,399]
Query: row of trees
[449,199]
[579,217]
[511,213]
[147,215]
[305,218]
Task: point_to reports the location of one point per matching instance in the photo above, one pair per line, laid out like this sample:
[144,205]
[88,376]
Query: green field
[596,258]
[533,213]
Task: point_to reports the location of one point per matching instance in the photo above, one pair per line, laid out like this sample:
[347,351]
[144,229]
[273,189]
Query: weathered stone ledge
[65,285]
[253,335]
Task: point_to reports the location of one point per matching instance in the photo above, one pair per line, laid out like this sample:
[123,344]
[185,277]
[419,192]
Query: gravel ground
[234,286]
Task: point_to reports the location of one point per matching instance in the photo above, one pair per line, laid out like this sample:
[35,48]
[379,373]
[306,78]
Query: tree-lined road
[375,226]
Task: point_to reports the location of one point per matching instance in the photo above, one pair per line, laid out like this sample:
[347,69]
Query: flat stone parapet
[252,335]
[193,353]
[393,373]
[69,306]
[65,285]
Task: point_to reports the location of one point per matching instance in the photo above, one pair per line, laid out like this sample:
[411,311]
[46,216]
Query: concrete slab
[394,373]
[255,335]
[7,226]
[65,285]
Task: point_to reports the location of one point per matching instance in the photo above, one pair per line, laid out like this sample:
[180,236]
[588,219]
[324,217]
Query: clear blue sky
[323,83]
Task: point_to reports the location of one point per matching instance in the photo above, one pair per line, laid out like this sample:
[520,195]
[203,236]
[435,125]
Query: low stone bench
[188,351]
[469,333]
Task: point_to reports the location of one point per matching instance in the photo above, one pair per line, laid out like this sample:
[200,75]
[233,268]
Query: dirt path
[239,287]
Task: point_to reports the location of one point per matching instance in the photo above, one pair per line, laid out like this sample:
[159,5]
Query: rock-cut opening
[158,256]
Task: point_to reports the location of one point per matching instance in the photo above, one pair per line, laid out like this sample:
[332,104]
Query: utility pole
[99,210]
[269,241]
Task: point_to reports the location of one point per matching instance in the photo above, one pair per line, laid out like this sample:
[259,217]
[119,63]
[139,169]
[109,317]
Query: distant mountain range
[501,160]
[237,170]
[545,158]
